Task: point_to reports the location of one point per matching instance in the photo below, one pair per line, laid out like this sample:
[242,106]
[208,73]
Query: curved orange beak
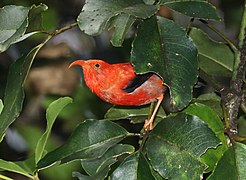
[78,62]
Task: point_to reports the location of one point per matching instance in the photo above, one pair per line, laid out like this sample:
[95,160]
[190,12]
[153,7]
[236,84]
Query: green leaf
[176,144]
[120,24]
[35,17]
[14,94]
[133,167]
[193,8]
[13,24]
[51,115]
[96,14]
[212,100]
[209,116]
[232,165]
[215,58]
[5,177]
[149,1]
[242,126]
[1,105]
[136,114]
[94,166]
[13,167]
[170,53]
[90,140]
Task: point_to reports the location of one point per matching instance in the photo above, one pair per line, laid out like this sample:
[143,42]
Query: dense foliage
[197,134]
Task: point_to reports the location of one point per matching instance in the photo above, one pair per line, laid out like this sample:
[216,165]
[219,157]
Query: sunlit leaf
[169,52]
[13,167]
[90,140]
[51,115]
[176,144]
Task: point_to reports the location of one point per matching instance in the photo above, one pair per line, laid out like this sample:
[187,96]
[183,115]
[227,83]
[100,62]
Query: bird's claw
[148,125]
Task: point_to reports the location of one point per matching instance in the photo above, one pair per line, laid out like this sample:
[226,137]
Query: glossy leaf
[90,140]
[232,164]
[52,112]
[170,53]
[135,114]
[13,167]
[13,24]
[14,94]
[214,122]
[176,144]
[194,8]
[35,17]
[96,14]
[94,166]
[133,167]
[215,58]
[120,24]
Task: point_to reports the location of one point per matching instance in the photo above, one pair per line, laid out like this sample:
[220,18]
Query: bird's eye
[97,65]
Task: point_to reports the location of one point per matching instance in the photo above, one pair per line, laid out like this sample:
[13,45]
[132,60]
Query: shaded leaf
[232,165]
[13,24]
[213,54]
[52,112]
[242,126]
[94,166]
[90,140]
[96,14]
[35,17]
[14,94]
[170,53]
[13,167]
[194,8]
[133,167]
[149,1]
[136,114]
[120,24]
[99,176]
[213,121]
[212,100]
[176,144]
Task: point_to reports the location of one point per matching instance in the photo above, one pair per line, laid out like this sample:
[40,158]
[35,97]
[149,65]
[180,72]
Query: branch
[232,97]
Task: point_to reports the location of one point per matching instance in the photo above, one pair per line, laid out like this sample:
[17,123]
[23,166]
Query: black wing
[137,81]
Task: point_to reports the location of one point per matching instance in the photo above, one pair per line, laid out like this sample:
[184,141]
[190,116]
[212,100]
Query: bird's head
[92,67]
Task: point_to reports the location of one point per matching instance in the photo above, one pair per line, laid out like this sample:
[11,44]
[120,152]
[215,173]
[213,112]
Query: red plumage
[118,84]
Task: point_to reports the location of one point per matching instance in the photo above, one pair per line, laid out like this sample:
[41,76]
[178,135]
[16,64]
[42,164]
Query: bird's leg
[148,125]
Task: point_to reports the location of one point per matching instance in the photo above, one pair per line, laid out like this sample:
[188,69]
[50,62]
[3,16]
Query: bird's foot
[148,125]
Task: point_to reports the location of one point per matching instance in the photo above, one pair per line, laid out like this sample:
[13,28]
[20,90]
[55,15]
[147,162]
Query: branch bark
[232,97]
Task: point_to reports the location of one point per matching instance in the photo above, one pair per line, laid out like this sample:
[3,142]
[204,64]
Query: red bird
[118,84]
